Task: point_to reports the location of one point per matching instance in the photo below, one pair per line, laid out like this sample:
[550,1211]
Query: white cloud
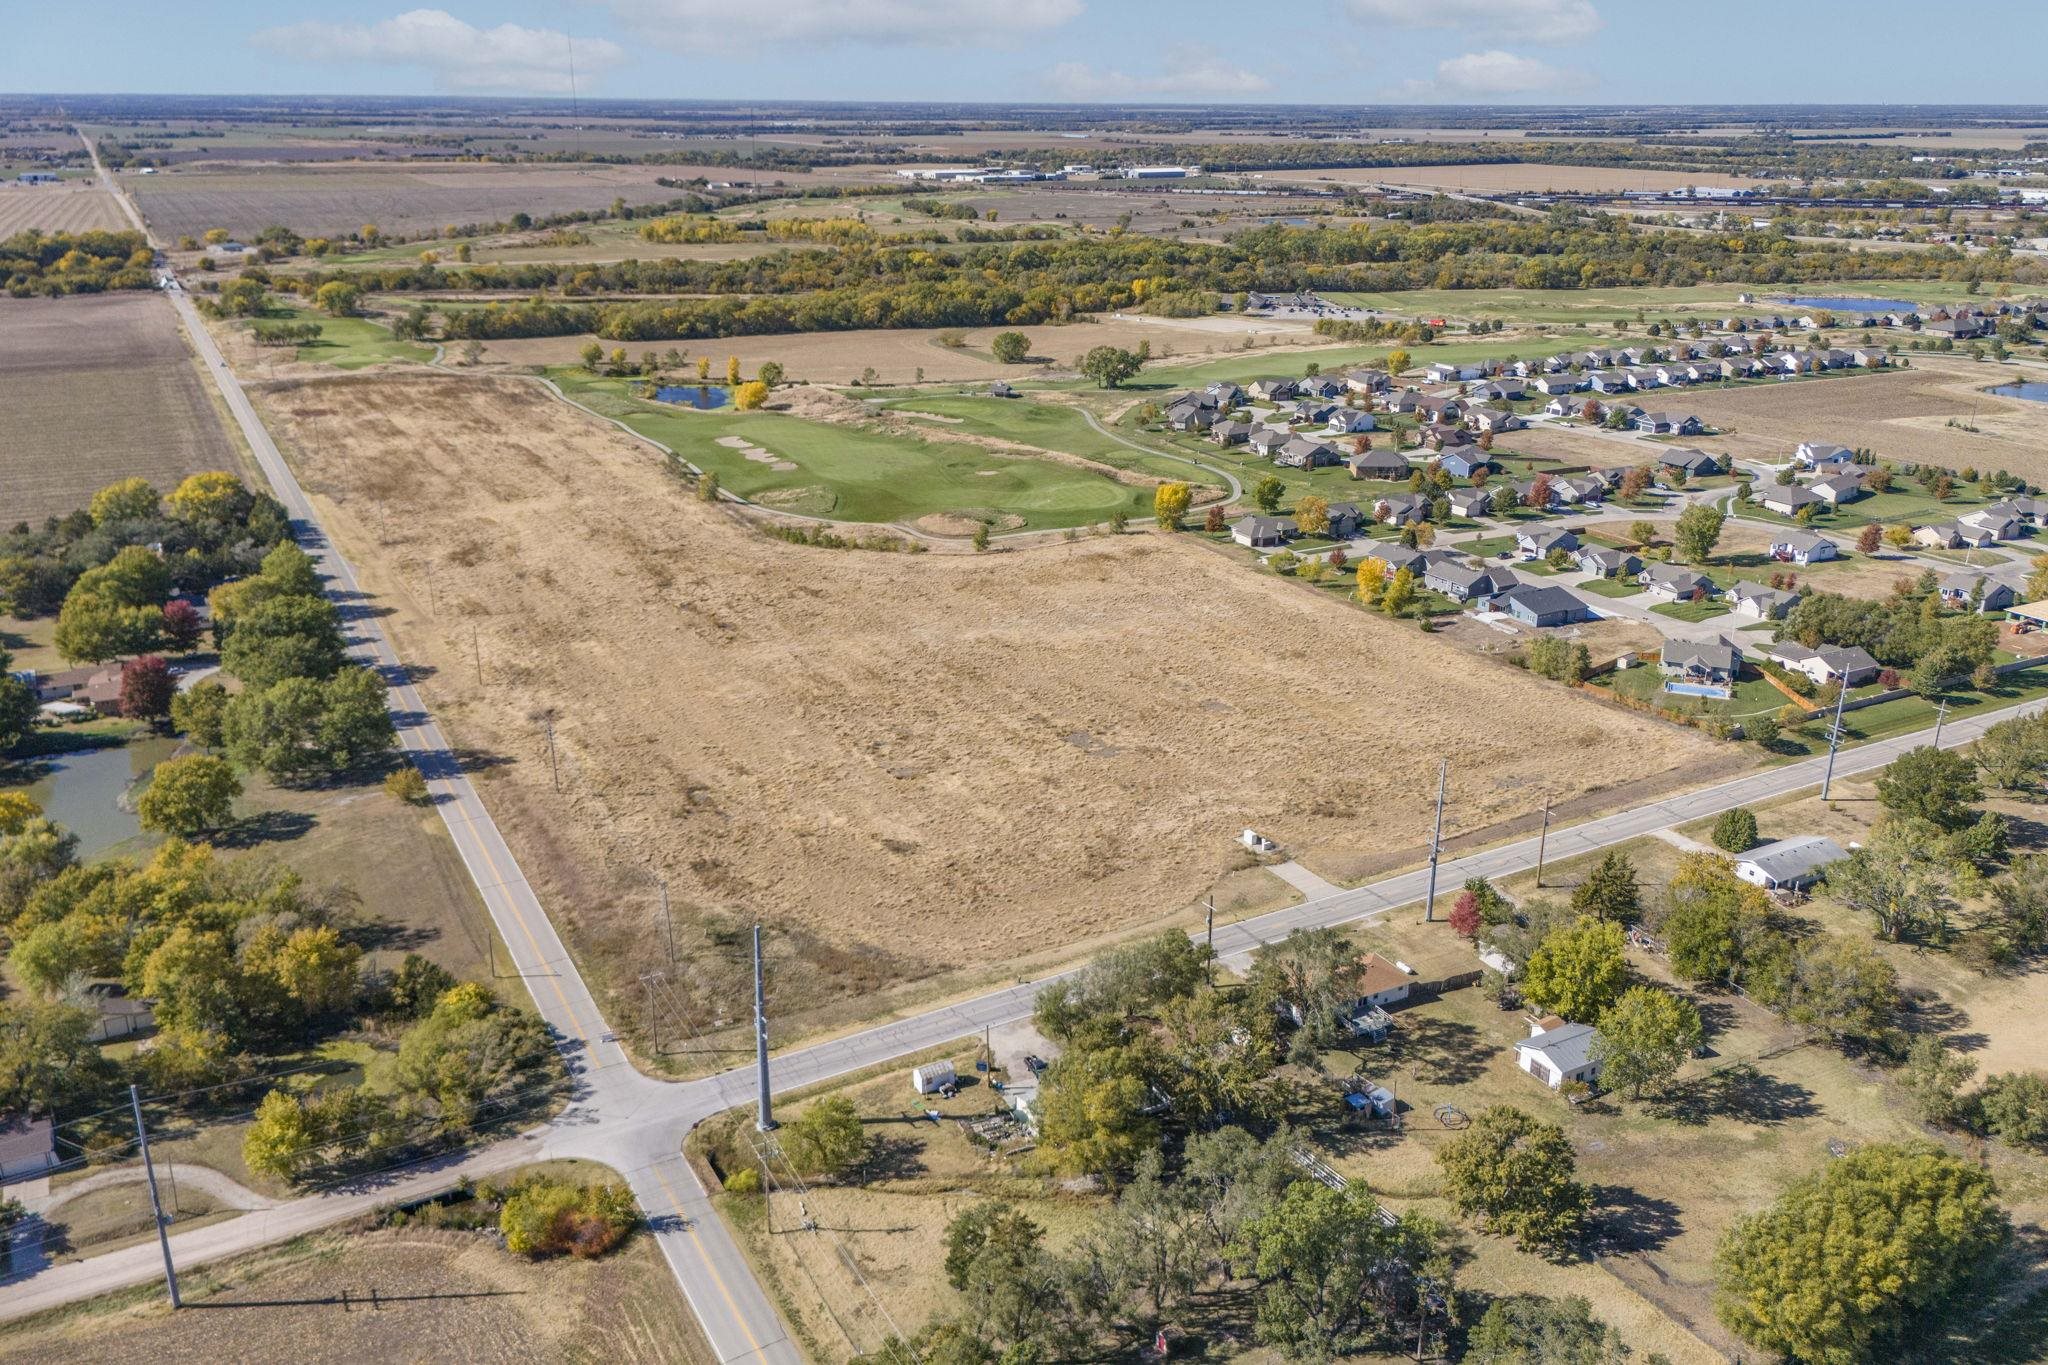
[1188,73]
[1529,21]
[690,25]
[1488,75]
[460,55]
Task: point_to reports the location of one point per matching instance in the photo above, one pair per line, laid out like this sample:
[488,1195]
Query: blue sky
[1201,51]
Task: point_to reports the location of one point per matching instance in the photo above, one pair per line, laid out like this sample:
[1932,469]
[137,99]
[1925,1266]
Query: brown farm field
[69,207]
[442,1297]
[1513,176]
[896,355]
[910,767]
[1900,414]
[333,197]
[97,388]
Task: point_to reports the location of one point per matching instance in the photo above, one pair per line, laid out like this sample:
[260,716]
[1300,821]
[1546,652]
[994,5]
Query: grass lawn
[853,475]
[1249,365]
[1612,587]
[1690,611]
[350,343]
[1906,504]
[1754,694]
[1056,426]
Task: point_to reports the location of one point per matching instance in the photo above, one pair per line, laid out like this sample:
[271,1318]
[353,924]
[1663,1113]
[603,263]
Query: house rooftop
[1789,859]
[1376,974]
[1569,1046]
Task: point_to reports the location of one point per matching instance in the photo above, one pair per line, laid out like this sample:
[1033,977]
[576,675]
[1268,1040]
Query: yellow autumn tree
[1372,572]
[1170,504]
[732,371]
[1312,515]
[749,396]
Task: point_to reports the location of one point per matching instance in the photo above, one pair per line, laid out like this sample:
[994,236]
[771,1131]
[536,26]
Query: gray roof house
[1669,424]
[1380,464]
[1460,463]
[1606,563]
[1228,433]
[1261,532]
[1538,542]
[1837,489]
[1470,502]
[27,1148]
[1559,1054]
[1347,519]
[1788,864]
[1351,421]
[1675,582]
[1690,460]
[1756,600]
[1958,589]
[1305,452]
[1787,499]
[1535,604]
[1401,509]
[1708,661]
[1802,547]
[1822,455]
[1851,665]
[1267,441]
[1464,582]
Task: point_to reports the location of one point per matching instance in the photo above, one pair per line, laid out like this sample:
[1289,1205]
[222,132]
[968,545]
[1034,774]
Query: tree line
[46,264]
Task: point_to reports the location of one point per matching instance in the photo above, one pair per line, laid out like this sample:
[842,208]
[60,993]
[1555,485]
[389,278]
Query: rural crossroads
[636,1124]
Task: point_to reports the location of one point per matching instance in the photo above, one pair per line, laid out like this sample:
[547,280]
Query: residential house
[1470,502]
[1870,357]
[1696,463]
[1401,509]
[1346,520]
[1272,390]
[1537,542]
[1451,372]
[2030,511]
[1559,1053]
[1761,602]
[1525,495]
[1261,533]
[1997,521]
[1959,591]
[1849,665]
[1440,437]
[1938,535]
[1462,462]
[1702,661]
[28,1149]
[1310,410]
[1305,452]
[1380,983]
[1230,433]
[1565,405]
[1468,582]
[1703,371]
[1643,378]
[1607,381]
[1322,386]
[1668,424]
[1268,441]
[1541,605]
[1493,419]
[1789,864]
[1602,562]
[1555,384]
[1228,396]
[1501,391]
[1583,487]
[1675,582]
[1433,409]
[1190,416]
[1837,489]
[1368,381]
[1351,421]
[1786,499]
[1802,547]
[1379,464]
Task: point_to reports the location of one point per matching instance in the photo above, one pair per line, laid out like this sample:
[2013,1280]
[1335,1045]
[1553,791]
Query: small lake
[2032,390]
[1849,305]
[91,792]
[703,397]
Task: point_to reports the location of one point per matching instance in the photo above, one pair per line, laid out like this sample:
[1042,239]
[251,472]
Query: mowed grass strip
[1051,426]
[853,475]
[351,343]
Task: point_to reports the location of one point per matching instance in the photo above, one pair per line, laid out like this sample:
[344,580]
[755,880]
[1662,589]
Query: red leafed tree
[1699,594]
[182,625]
[147,688]
[1590,412]
[1465,915]
[1867,539]
[1338,558]
[1539,492]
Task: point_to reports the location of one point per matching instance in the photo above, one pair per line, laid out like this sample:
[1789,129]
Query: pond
[703,397]
[91,792]
[1849,305]
[2032,390]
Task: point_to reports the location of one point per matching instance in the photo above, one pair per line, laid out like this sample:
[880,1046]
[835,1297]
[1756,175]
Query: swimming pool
[1685,689]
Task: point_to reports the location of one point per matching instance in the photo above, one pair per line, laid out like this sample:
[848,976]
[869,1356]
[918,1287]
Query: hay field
[471,1302]
[67,207]
[1900,414]
[1518,176]
[98,388]
[896,355]
[314,198]
[904,764]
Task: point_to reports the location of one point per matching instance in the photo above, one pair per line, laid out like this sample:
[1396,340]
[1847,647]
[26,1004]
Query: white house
[27,1149]
[1381,983]
[1556,1052]
[1788,864]
[1803,547]
[1822,455]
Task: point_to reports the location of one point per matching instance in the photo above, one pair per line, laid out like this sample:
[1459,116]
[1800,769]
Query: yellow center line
[575,1025]
[690,1226]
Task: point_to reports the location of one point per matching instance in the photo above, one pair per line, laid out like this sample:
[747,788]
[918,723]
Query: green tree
[337,298]
[197,713]
[1935,785]
[1934,1076]
[1696,532]
[1842,988]
[128,500]
[1091,1112]
[1328,1268]
[417,984]
[1010,348]
[826,1138]
[49,1062]
[1110,366]
[1267,493]
[1735,830]
[1578,971]
[1710,916]
[355,719]
[285,637]
[1845,1264]
[770,373]
[188,795]
[1524,1329]
[1900,878]
[1645,1037]
[2014,1107]
[1311,976]
[277,729]
[1517,1175]
[2014,753]
[1609,891]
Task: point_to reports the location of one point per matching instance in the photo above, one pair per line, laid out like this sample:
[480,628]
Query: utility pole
[670,921]
[1940,715]
[554,767]
[1834,743]
[156,1204]
[1436,840]
[476,636]
[1209,967]
[432,610]
[1542,839]
[766,1120]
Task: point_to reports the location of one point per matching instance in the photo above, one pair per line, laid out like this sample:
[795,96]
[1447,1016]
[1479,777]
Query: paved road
[1236,488]
[636,1124]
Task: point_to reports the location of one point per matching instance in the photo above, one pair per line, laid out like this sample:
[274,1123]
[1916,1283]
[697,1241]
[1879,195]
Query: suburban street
[637,1124]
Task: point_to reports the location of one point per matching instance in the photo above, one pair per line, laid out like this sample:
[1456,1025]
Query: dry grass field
[332,197]
[907,765]
[443,1298]
[1900,414]
[69,207]
[1513,176]
[98,388]
[897,355]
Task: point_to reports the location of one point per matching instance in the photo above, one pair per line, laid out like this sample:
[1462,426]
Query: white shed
[931,1078]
